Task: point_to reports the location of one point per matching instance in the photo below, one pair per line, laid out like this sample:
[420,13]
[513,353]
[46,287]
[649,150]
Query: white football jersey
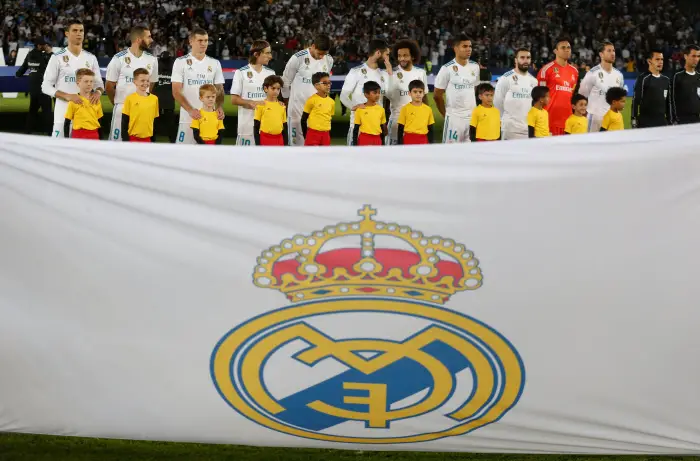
[353,93]
[297,80]
[459,83]
[513,96]
[397,87]
[121,70]
[595,86]
[193,73]
[60,76]
[248,84]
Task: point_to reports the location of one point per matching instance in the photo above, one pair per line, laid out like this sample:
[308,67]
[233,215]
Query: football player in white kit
[59,79]
[407,53]
[597,82]
[352,94]
[189,73]
[120,74]
[513,97]
[247,89]
[457,80]
[298,88]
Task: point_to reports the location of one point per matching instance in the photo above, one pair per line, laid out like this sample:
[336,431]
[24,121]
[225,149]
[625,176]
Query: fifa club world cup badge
[66,59]
[515,78]
[189,62]
[367,352]
[455,69]
[127,61]
[249,74]
[307,61]
[600,75]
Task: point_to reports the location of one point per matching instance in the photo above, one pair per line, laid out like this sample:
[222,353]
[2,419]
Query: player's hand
[194,113]
[220,114]
[387,65]
[359,106]
[282,104]
[95,97]
[253,104]
[74,98]
[634,123]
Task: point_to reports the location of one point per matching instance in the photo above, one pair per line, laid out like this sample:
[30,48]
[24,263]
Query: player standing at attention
[190,72]
[485,124]
[596,83]
[120,74]
[270,119]
[513,97]
[685,91]
[208,128]
[370,119]
[59,79]
[352,94]
[538,117]
[407,53]
[298,86]
[318,112]
[140,110]
[85,115]
[416,120]
[247,89]
[457,80]
[651,104]
[561,79]
[613,121]
[577,123]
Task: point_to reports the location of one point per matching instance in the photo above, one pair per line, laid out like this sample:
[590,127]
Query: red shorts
[556,131]
[211,141]
[415,138]
[317,138]
[137,139]
[365,139]
[267,139]
[85,134]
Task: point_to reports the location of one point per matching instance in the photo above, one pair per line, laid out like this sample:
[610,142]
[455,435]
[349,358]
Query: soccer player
[613,121]
[247,89]
[85,115]
[120,74]
[596,83]
[561,79]
[140,110]
[298,86]
[318,112]
[485,124]
[352,95]
[651,103]
[538,117]
[370,119]
[190,72]
[577,123]
[457,80]
[208,128]
[270,119]
[407,53]
[416,120]
[513,97]
[685,91]
[59,79]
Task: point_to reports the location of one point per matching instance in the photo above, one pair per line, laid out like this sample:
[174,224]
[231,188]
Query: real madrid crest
[148,67]
[209,69]
[325,68]
[87,65]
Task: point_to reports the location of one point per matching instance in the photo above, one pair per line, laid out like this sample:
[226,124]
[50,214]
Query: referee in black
[36,61]
[651,103]
[685,89]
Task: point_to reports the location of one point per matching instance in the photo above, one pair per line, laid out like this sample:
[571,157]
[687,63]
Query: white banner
[523,296]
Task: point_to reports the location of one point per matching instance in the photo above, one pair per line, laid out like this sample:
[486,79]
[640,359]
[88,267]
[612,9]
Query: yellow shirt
[142,111]
[576,124]
[272,117]
[487,121]
[370,119]
[539,120]
[613,121]
[85,116]
[416,119]
[321,111]
[208,125]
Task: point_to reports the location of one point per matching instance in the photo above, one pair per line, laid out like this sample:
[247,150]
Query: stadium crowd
[498,27]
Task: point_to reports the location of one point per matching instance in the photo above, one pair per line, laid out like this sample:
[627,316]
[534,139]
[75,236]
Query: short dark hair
[484,88]
[604,44]
[538,93]
[377,44]
[688,49]
[416,84]
[410,45]
[322,42]
[561,40]
[271,80]
[73,22]
[137,32]
[615,94]
[140,71]
[198,31]
[255,49]
[315,78]
[461,38]
[653,51]
[526,50]
[578,97]
[371,86]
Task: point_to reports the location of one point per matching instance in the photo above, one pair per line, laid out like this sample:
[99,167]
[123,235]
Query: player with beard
[597,82]
[513,97]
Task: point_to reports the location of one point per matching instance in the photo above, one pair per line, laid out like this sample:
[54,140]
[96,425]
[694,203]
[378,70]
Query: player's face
[563,50]
[146,41]
[75,34]
[265,56]
[373,96]
[316,53]
[523,61]
[656,62]
[273,91]
[463,50]
[324,86]
[417,95]
[581,108]
[608,55]
[405,59]
[142,82]
[199,44]
[691,59]
[486,98]
[208,98]
[86,84]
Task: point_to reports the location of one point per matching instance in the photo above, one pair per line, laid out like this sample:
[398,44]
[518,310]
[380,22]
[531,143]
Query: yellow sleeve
[531,118]
[606,121]
[194,124]
[402,116]
[126,110]
[309,106]
[431,117]
[70,111]
[100,114]
[284,115]
[567,125]
[475,116]
[259,110]
[220,125]
[358,117]
[383,116]
[157,107]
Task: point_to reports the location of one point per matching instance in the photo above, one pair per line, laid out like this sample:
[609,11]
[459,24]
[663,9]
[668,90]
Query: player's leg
[244,140]
[33,112]
[351,128]
[464,129]
[296,135]
[393,129]
[184,134]
[45,103]
[115,131]
[594,123]
[59,117]
[455,129]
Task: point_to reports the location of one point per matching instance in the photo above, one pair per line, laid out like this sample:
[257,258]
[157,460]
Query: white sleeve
[500,96]
[99,83]
[622,79]
[587,84]
[178,74]
[425,82]
[154,72]
[330,63]
[290,71]
[443,78]
[237,84]
[348,87]
[113,70]
[48,85]
[218,74]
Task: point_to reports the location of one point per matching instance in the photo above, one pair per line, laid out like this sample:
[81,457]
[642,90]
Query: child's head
[207,94]
[272,86]
[141,79]
[85,79]
[579,104]
[486,91]
[417,90]
[372,91]
[616,97]
[322,82]
[540,95]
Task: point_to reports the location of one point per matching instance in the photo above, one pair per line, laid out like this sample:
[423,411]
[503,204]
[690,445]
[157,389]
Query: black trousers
[648,122]
[168,124]
[687,119]
[39,101]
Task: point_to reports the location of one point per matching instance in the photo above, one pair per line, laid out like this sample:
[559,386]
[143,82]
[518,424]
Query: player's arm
[177,79]
[112,77]
[220,95]
[48,84]
[425,82]
[237,90]
[288,76]
[441,82]
[637,99]
[153,76]
[587,84]
[346,92]
[99,83]
[23,68]
[499,97]
[669,115]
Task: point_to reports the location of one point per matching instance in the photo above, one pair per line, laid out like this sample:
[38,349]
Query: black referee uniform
[36,61]
[685,97]
[651,104]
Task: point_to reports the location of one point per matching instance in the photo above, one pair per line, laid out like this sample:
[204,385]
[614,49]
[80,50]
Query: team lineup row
[454,89]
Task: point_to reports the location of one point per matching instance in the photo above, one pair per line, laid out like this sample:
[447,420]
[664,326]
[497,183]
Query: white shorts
[456,129]
[184,134]
[58,129]
[243,140]
[59,118]
[393,129]
[594,123]
[115,132]
[296,136]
